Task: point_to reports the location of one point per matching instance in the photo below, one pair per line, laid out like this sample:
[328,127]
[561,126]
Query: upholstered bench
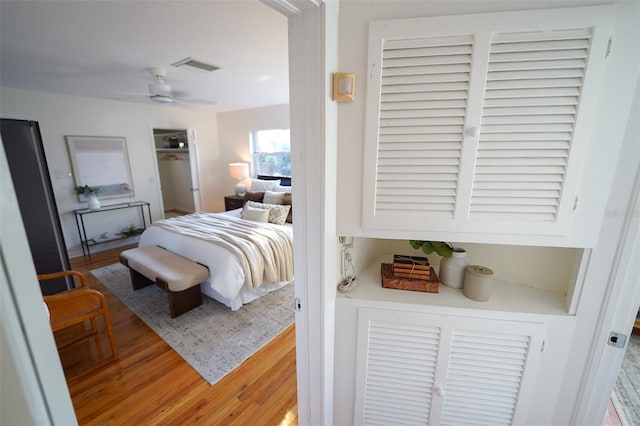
[176,275]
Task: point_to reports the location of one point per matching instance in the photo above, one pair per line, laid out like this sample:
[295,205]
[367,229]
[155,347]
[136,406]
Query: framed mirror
[102,162]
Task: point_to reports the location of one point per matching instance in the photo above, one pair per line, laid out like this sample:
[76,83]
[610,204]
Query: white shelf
[172,150]
[505,297]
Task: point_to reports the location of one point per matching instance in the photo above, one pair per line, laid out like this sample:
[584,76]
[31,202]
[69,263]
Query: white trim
[622,294]
[291,8]
[194,167]
[313,149]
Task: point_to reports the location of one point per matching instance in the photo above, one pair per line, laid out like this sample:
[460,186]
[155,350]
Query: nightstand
[232,202]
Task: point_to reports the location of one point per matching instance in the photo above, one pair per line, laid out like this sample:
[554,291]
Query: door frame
[313,56]
[193,165]
[621,298]
[38,391]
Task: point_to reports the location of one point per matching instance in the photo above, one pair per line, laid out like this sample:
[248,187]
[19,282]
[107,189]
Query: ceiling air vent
[196,64]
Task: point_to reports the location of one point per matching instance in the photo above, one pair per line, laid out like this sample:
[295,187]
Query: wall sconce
[344,87]
[239,171]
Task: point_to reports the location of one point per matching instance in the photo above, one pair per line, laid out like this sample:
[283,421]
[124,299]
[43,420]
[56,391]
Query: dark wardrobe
[30,174]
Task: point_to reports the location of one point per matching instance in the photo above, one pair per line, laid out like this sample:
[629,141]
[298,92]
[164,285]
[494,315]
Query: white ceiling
[103,48]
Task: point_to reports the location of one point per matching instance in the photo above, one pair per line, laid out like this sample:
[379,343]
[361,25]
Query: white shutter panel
[531,98]
[484,378]
[400,373]
[423,98]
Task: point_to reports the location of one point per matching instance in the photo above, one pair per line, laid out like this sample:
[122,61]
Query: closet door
[417,369]
[480,123]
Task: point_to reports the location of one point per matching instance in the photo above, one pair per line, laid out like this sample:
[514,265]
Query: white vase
[452,269]
[93,201]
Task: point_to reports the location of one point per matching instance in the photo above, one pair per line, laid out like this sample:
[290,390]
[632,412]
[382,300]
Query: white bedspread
[246,259]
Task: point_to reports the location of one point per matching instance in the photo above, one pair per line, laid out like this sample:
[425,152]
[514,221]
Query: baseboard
[619,409]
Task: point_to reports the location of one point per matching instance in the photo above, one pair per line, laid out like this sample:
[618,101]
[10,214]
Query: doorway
[175,157]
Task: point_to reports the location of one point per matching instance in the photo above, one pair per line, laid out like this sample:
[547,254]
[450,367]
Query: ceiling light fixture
[196,64]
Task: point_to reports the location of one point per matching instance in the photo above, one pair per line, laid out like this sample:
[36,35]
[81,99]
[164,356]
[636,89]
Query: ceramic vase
[93,201]
[452,269]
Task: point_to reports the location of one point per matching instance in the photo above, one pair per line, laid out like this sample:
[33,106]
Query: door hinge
[575,204]
[297,304]
[609,47]
[542,346]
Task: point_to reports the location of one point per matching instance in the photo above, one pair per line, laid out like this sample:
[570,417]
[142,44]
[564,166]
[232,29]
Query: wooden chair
[75,306]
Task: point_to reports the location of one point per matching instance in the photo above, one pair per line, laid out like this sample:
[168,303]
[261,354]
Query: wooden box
[390,281]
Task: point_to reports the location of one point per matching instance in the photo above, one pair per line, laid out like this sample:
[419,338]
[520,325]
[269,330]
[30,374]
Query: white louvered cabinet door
[480,123]
[490,372]
[421,369]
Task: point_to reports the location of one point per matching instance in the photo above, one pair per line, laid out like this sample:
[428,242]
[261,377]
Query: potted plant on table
[131,230]
[91,192]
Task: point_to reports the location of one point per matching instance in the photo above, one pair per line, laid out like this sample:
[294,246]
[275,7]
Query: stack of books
[411,267]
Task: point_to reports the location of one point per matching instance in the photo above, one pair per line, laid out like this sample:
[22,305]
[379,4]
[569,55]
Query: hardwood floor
[152,384]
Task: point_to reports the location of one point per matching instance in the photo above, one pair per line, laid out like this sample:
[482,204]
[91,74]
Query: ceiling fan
[159,91]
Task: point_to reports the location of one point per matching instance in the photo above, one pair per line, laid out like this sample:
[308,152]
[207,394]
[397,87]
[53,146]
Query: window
[271,152]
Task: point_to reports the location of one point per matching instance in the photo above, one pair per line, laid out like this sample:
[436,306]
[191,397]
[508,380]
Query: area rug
[627,389]
[211,338]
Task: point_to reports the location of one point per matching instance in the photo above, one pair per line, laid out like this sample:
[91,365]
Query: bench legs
[179,301]
[138,280]
[182,301]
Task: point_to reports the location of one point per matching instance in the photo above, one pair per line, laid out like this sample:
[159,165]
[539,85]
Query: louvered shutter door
[531,99]
[484,366]
[400,373]
[396,367]
[423,97]
[483,379]
[478,126]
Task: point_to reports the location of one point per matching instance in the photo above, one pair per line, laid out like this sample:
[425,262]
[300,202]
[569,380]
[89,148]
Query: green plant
[86,189]
[131,229]
[428,247]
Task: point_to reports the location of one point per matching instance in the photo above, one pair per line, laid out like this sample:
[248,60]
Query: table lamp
[239,171]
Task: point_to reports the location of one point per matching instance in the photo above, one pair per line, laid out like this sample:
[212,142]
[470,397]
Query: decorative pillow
[260,185]
[255,214]
[271,197]
[288,201]
[281,188]
[253,196]
[277,213]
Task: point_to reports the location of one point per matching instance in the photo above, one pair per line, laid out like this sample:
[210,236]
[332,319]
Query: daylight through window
[271,152]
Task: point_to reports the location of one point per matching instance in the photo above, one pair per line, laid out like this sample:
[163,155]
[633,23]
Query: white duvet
[245,259]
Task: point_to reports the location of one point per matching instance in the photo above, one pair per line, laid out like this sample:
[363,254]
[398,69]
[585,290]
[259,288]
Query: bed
[220,241]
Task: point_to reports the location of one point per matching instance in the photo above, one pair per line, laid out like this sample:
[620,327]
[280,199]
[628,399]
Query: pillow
[271,197]
[288,201]
[277,213]
[281,188]
[253,196]
[255,214]
[258,185]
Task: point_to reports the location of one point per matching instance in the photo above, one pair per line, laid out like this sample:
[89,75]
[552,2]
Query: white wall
[233,131]
[60,115]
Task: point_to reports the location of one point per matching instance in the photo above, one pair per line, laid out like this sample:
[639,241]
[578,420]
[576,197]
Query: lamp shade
[239,170]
